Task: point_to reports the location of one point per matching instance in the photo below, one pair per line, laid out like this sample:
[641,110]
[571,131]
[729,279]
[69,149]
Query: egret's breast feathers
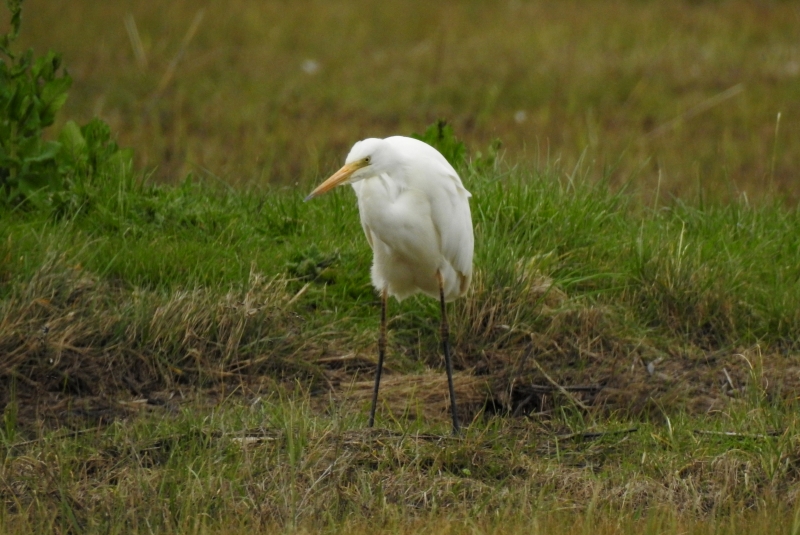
[400,217]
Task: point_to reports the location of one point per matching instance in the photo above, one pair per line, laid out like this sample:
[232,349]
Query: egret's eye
[367,159]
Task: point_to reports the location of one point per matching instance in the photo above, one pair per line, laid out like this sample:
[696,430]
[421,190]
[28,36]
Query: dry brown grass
[298,471]
[423,395]
[67,334]
[77,346]
[181,411]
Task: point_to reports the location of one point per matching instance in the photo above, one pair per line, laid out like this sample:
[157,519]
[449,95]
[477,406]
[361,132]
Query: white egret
[415,214]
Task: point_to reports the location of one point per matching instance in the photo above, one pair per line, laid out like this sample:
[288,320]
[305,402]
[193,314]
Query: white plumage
[415,213]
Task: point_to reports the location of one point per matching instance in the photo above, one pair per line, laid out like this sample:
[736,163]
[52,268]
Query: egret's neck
[379,188]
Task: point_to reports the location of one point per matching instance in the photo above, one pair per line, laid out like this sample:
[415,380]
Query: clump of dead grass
[78,344]
[424,395]
[68,332]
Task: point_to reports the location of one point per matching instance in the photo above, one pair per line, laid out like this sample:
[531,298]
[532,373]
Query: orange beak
[339,177]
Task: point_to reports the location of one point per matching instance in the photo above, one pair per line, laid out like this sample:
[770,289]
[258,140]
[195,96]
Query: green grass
[193,351]
[277,464]
[172,322]
[679,270]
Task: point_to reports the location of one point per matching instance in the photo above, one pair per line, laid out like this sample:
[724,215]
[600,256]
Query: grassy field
[195,358]
[681,95]
[191,349]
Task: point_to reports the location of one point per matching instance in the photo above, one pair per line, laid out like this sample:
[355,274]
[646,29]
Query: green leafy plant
[90,149]
[86,153]
[312,264]
[32,90]
[440,135]
[52,174]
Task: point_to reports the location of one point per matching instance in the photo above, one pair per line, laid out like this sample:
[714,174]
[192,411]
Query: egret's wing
[427,170]
[453,221]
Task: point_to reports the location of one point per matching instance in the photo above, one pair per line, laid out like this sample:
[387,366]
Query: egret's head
[362,162]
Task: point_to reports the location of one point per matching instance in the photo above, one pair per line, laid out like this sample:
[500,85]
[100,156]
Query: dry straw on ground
[68,336]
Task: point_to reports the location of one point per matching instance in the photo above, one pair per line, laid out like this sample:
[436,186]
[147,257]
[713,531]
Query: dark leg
[448,362]
[381,354]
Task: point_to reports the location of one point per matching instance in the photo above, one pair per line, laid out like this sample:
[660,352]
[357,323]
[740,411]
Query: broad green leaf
[56,90]
[71,137]
[48,151]
[73,145]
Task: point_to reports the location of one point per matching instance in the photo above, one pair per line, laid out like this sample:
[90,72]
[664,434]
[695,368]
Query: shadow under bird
[415,214]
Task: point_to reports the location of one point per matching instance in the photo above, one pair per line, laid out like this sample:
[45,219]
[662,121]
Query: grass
[192,350]
[198,358]
[563,258]
[277,464]
[677,99]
